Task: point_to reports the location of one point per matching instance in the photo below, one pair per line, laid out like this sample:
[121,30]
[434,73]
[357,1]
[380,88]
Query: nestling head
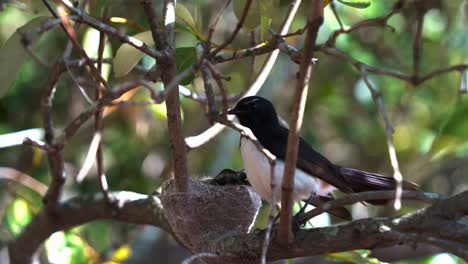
[255,111]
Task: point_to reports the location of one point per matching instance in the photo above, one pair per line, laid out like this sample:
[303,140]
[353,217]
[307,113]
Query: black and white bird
[314,173]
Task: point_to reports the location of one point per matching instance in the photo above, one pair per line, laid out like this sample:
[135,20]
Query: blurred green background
[341,119]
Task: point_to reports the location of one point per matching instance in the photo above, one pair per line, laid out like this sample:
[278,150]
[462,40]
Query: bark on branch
[132,208]
[313,24]
[441,224]
[164,40]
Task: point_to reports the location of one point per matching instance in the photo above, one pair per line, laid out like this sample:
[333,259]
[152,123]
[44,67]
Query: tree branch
[204,137]
[132,208]
[81,16]
[438,222]
[228,41]
[54,155]
[414,80]
[370,196]
[313,24]
[164,41]
[71,34]
[377,97]
[379,21]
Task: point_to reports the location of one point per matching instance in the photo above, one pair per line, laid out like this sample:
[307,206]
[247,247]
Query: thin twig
[80,88]
[379,21]
[294,54]
[314,22]
[202,98]
[414,80]
[117,91]
[209,92]
[198,256]
[38,144]
[29,37]
[24,179]
[35,57]
[213,26]
[260,49]
[205,71]
[90,157]
[204,137]
[459,67]
[98,122]
[70,32]
[228,41]
[218,78]
[335,13]
[369,196]
[76,27]
[377,96]
[81,16]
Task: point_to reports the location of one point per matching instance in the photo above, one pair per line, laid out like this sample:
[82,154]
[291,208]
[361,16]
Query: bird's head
[255,112]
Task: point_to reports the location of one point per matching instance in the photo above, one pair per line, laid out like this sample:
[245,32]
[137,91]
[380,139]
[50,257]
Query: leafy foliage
[12,57]
[430,131]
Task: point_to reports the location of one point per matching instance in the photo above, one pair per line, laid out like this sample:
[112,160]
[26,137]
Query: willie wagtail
[314,174]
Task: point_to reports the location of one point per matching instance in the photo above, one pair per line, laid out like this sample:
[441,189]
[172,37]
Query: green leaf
[453,132]
[185,57]
[253,18]
[185,22]
[17,216]
[181,27]
[356,3]
[264,25]
[98,234]
[261,222]
[184,15]
[260,14]
[91,46]
[68,247]
[159,110]
[127,57]
[13,55]
[267,10]
[360,256]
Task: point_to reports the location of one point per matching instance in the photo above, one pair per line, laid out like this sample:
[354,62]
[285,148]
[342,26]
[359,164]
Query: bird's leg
[306,203]
[303,207]
[296,218]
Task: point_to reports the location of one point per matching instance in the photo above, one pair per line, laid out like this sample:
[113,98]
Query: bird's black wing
[345,179]
[317,165]
[308,160]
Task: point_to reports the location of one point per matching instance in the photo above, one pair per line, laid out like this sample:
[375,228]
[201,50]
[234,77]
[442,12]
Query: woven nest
[207,213]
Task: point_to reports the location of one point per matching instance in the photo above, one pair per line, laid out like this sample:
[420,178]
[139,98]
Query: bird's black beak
[233,111]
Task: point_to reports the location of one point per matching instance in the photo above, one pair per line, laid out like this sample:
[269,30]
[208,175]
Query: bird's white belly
[257,168]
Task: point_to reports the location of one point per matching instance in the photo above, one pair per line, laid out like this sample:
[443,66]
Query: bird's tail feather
[361,181]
